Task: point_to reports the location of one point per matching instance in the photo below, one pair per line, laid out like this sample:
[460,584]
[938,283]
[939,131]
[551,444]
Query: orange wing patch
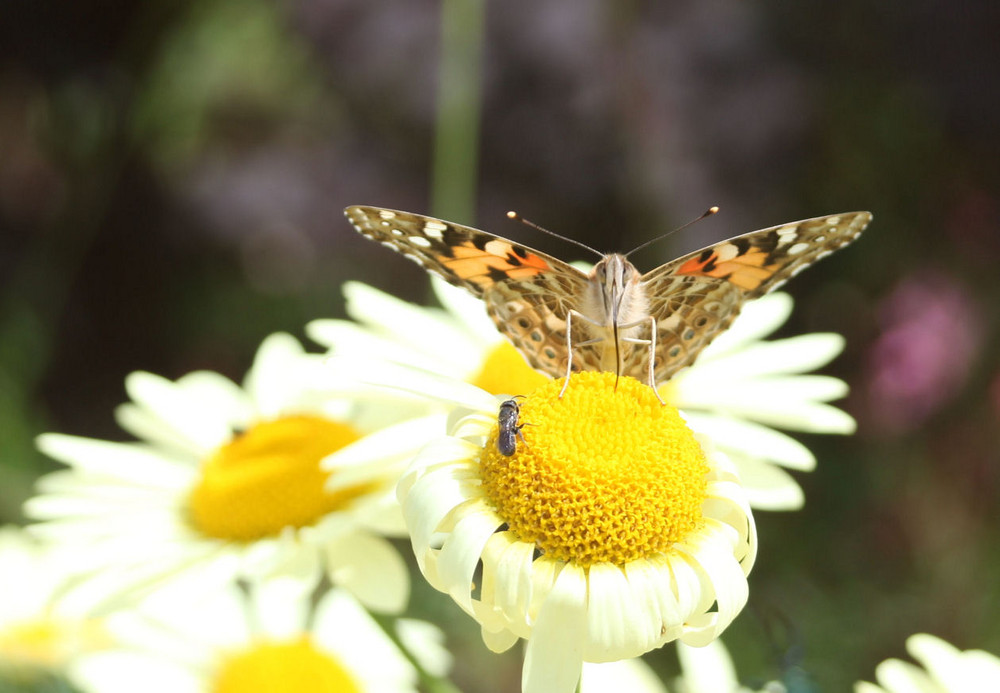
[745,270]
[497,260]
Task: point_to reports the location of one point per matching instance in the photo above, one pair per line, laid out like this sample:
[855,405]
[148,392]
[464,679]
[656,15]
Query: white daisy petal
[554,657]
[943,669]
[274,382]
[126,461]
[458,559]
[426,643]
[631,675]
[611,612]
[145,425]
[423,329]
[280,607]
[707,668]
[120,672]
[160,395]
[354,463]
[346,338]
[370,569]
[769,487]
[749,439]
[469,311]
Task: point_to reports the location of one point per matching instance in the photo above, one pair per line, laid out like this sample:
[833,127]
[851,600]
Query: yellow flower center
[278,667]
[505,371]
[604,475]
[47,643]
[269,478]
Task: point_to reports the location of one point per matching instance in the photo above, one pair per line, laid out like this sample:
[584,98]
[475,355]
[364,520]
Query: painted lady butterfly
[614,318]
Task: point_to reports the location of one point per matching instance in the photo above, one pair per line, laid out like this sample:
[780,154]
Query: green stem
[428,681]
[456,138]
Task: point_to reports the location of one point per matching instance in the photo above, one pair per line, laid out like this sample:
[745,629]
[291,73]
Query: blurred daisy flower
[632,675]
[710,669]
[739,390]
[37,641]
[944,669]
[607,533]
[283,476]
[271,639]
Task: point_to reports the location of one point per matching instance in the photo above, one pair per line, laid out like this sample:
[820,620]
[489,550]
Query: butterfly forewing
[527,293]
[696,297]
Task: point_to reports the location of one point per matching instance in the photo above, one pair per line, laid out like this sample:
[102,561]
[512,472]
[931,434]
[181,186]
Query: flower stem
[428,681]
[456,140]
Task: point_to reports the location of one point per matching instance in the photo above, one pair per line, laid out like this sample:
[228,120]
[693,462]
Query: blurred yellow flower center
[269,478]
[279,667]
[48,643]
[604,475]
[505,371]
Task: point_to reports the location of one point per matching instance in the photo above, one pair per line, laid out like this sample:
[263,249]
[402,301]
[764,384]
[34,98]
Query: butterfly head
[618,290]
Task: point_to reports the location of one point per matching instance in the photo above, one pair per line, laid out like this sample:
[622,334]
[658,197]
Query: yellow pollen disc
[269,478]
[279,667]
[48,643]
[505,371]
[603,476]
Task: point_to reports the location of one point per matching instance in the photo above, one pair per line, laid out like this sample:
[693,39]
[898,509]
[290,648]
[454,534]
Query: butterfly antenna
[709,212]
[517,217]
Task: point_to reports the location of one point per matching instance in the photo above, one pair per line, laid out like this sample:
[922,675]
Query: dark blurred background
[172,176]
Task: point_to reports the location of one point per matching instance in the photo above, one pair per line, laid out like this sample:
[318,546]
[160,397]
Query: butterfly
[648,326]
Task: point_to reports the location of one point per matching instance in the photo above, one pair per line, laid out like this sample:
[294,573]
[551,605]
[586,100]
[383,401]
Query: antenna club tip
[513,215]
[713,209]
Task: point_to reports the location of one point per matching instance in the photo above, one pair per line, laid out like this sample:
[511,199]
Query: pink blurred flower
[931,333]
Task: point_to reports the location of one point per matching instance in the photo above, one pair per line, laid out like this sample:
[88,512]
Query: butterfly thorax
[615,301]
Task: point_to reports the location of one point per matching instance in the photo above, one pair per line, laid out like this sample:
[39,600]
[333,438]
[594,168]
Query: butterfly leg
[652,351]
[569,343]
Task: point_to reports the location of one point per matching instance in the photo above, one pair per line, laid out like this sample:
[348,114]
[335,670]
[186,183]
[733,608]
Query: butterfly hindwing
[532,314]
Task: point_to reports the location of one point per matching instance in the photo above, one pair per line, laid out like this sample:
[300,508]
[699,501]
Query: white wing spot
[787,234]
[386,214]
[833,221]
[395,231]
[434,229]
[726,251]
[798,248]
[420,241]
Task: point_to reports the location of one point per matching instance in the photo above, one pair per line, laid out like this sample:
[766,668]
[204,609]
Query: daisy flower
[710,669]
[632,675]
[739,390]
[280,476]
[36,639]
[607,533]
[269,640]
[944,669]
